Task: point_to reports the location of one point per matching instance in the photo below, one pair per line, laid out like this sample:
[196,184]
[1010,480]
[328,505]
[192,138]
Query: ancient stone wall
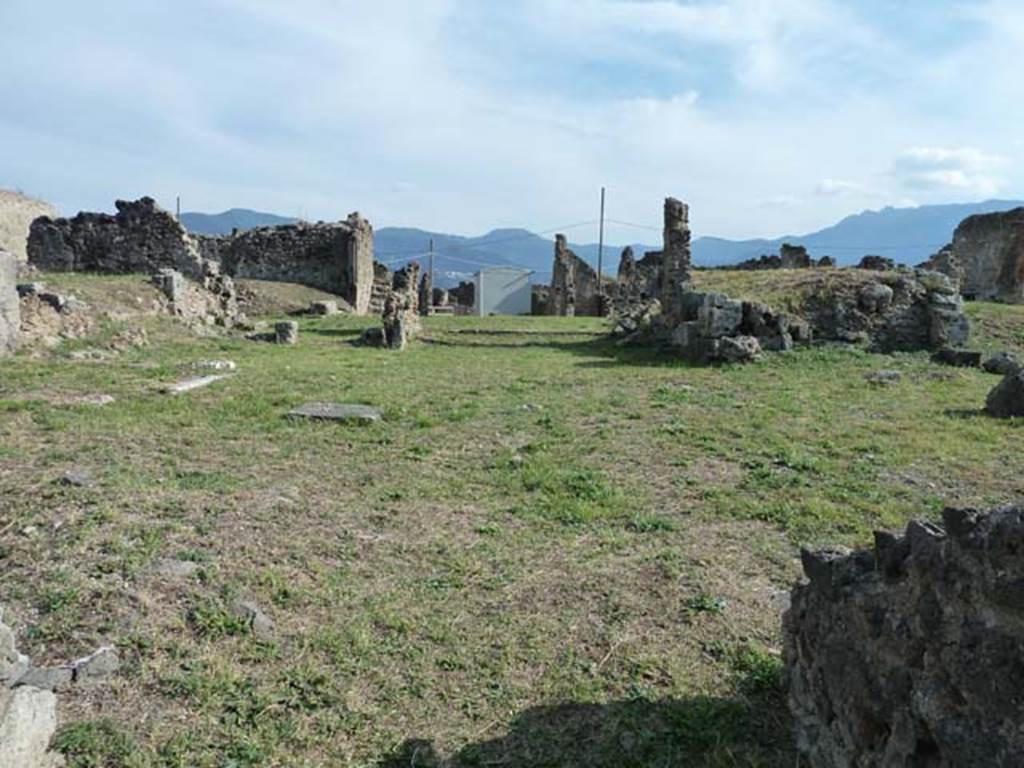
[912,653]
[141,237]
[334,257]
[10,306]
[574,285]
[987,256]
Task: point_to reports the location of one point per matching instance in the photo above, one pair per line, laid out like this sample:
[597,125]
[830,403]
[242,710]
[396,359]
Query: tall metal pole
[431,265]
[177,208]
[600,249]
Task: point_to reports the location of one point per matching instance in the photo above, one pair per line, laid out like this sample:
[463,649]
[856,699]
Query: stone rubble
[958,358]
[1006,399]
[1002,363]
[910,653]
[190,384]
[789,257]
[28,702]
[261,626]
[884,378]
[324,308]
[286,332]
[343,412]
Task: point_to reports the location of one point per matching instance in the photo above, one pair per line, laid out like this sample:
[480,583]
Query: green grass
[552,550]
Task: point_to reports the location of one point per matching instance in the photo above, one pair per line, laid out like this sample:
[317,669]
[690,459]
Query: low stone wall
[10,306]
[912,653]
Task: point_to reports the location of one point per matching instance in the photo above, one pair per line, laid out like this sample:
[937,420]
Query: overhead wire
[479,245]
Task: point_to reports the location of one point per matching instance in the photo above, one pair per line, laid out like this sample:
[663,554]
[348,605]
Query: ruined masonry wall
[142,237]
[574,286]
[988,252]
[912,653]
[337,258]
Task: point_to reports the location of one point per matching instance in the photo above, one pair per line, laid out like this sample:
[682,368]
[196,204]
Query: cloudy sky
[768,116]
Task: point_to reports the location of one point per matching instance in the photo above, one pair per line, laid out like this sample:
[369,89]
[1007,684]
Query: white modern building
[502,291]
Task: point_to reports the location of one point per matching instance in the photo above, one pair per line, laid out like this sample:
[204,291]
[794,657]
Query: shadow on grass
[698,731]
[336,332]
[967,413]
[605,347]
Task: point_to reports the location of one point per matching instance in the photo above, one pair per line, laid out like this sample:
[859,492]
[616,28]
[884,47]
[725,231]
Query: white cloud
[395,109]
[841,188]
[961,169]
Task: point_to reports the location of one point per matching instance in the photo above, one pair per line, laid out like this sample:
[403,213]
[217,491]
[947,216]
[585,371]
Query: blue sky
[768,116]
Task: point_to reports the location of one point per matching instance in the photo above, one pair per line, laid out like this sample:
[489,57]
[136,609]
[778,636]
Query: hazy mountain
[908,235]
[236,218]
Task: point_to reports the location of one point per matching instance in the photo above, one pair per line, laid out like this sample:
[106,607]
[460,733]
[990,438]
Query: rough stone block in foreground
[1007,398]
[912,654]
[360,414]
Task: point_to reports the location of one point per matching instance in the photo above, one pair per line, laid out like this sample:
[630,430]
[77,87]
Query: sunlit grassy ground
[552,551]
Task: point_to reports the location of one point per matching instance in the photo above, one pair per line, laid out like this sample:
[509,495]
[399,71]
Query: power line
[799,240]
[489,243]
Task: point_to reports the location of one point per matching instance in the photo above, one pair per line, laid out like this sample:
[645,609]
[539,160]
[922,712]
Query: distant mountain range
[236,218]
[908,235]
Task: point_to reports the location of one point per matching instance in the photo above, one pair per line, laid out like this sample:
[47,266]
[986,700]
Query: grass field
[551,552]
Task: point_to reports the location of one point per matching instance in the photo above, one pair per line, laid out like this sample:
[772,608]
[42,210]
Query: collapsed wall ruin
[897,311]
[653,302]
[335,257]
[912,653]
[574,285]
[10,305]
[140,237]
[143,238]
[986,256]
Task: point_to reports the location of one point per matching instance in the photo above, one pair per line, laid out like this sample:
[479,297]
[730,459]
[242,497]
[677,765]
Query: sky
[769,117]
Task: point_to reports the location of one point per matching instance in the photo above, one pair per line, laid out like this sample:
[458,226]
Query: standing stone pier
[675,259]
